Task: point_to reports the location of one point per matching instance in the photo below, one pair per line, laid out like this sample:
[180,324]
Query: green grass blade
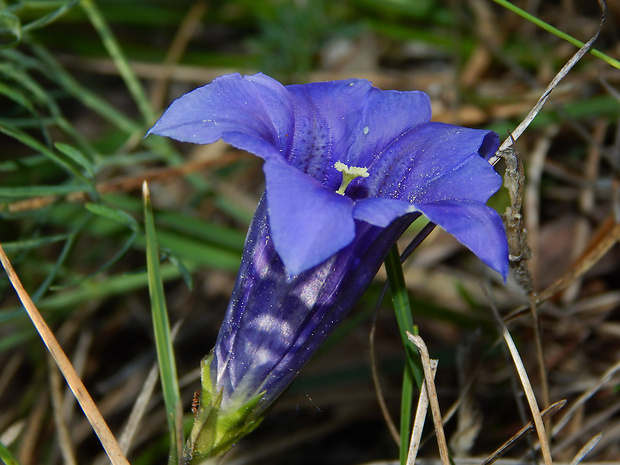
[50,17]
[62,257]
[31,142]
[109,41]
[26,244]
[6,456]
[88,291]
[39,191]
[78,157]
[50,67]
[413,369]
[562,35]
[16,96]
[161,325]
[114,214]
[10,30]
[406,407]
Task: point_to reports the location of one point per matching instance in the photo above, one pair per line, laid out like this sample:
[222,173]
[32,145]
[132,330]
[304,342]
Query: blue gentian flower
[348,167]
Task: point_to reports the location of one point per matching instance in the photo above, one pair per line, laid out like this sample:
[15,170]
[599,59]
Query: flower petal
[252,113]
[381,212]
[476,226]
[436,161]
[349,121]
[309,222]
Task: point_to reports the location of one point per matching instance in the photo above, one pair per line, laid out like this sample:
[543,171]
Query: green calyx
[349,173]
[215,431]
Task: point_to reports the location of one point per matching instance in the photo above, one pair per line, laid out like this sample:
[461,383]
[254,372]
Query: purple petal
[433,162]
[349,121]
[309,222]
[252,113]
[476,226]
[381,212]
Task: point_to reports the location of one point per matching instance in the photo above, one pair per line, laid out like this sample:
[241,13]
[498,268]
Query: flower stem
[413,368]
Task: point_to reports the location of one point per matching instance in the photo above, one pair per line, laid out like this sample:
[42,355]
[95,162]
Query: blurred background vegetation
[82,81]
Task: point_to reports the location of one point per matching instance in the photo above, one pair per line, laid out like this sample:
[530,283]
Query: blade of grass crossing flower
[163,339]
[6,457]
[413,369]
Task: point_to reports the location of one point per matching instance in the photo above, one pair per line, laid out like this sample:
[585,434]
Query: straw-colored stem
[89,407]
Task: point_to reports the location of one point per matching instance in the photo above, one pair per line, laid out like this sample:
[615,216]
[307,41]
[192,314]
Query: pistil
[349,173]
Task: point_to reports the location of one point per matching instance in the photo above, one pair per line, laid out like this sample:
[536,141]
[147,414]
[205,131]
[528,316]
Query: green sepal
[215,431]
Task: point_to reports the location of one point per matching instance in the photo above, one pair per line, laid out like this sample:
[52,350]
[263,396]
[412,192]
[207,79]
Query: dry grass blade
[599,246]
[432,393]
[584,397]
[80,357]
[142,402]
[12,432]
[64,438]
[585,450]
[545,414]
[32,430]
[418,421]
[552,85]
[139,408]
[525,382]
[89,407]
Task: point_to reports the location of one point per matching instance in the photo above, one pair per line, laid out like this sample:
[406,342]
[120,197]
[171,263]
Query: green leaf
[16,96]
[77,156]
[163,339]
[114,214]
[31,142]
[10,30]
[562,35]
[198,251]
[50,17]
[27,244]
[185,274]
[40,191]
[6,456]
[413,368]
